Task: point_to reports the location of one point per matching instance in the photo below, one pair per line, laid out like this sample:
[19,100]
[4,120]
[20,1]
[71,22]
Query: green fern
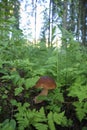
[79,89]
[59,118]
[51,121]
[26,117]
[81,110]
[8,124]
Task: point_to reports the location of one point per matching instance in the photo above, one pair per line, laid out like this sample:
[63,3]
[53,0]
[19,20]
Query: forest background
[23,61]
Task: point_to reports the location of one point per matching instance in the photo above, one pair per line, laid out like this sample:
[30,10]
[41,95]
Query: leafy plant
[80,108]
[21,64]
[8,124]
[79,90]
[27,118]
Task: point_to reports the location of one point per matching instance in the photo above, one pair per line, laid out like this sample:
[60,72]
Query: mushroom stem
[44,92]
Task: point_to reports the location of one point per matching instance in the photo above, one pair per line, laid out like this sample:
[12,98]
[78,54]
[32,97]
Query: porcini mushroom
[46,83]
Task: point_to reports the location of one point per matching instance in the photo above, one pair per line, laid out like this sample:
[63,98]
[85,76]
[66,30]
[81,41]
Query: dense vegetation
[23,62]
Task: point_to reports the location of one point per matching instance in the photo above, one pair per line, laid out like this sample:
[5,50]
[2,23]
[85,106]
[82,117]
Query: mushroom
[46,83]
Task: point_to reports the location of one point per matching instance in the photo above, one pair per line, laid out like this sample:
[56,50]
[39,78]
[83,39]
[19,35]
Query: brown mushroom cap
[46,83]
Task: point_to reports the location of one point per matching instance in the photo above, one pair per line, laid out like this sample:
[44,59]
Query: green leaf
[4,96]
[30,82]
[41,126]
[13,124]
[51,121]
[78,89]
[8,124]
[81,110]
[80,114]
[59,118]
[13,102]
[18,90]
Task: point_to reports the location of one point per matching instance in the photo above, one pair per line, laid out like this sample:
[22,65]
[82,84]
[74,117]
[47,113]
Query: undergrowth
[21,65]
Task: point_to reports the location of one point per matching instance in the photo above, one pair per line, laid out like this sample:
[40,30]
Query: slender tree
[84,21]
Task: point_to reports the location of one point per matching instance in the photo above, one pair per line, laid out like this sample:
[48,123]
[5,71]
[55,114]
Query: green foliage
[79,89]
[81,110]
[8,124]
[55,99]
[57,118]
[84,128]
[60,119]
[51,122]
[21,64]
[27,118]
